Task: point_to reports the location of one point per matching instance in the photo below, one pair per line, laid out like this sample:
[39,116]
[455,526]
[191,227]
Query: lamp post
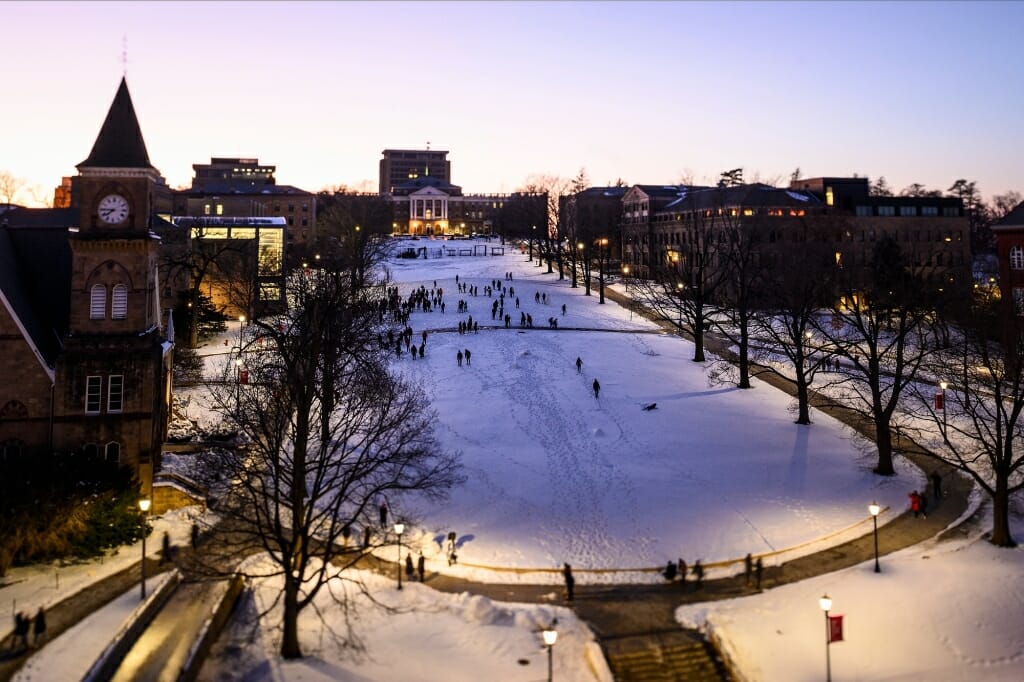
[144,508]
[238,385]
[533,235]
[601,250]
[826,604]
[575,256]
[581,250]
[550,636]
[241,323]
[399,529]
[874,509]
[625,275]
[943,385]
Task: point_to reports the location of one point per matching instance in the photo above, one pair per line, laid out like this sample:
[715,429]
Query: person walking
[670,571]
[421,567]
[383,515]
[915,503]
[459,358]
[748,568]
[39,628]
[597,388]
[22,624]
[468,358]
[758,572]
[698,573]
[579,365]
[409,570]
[570,582]
[165,549]
[936,484]
[194,535]
[682,572]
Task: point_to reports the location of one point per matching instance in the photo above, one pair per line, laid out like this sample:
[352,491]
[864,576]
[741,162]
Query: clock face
[113,209]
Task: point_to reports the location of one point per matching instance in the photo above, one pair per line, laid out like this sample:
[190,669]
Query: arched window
[14,409]
[119,302]
[98,302]
[113,453]
[1017,257]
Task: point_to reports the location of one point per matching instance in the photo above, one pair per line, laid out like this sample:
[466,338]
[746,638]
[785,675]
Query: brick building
[83,350]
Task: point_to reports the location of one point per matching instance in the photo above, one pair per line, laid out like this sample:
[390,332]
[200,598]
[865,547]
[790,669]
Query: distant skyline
[649,92]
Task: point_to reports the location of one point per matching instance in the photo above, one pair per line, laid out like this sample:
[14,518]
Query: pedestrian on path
[698,573]
[570,582]
[670,571]
[748,568]
[366,538]
[936,484]
[421,566]
[165,549]
[597,388]
[458,358]
[682,572]
[924,505]
[39,628]
[579,365]
[383,515]
[409,570]
[758,572]
[194,535]
[22,624]
[468,358]
[915,503]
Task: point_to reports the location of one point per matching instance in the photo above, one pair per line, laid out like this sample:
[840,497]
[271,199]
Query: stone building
[84,352]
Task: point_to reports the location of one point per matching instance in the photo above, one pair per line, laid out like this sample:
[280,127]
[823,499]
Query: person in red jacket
[915,503]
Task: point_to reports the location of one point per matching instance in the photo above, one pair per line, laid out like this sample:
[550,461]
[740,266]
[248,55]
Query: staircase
[666,657]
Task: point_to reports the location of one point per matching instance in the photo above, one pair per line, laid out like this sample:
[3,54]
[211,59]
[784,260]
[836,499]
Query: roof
[1014,218]
[427,181]
[225,187]
[752,196]
[120,143]
[35,277]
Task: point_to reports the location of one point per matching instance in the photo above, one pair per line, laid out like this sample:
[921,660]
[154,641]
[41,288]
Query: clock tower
[115,368]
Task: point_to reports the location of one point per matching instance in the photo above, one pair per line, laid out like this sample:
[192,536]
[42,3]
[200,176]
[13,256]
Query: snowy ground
[938,611]
[713,473]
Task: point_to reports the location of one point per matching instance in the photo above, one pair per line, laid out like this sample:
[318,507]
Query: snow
[555,475]
[798,197]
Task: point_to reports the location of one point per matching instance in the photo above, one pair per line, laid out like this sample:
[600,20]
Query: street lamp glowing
[825,603]
[873,508]
[943,385]
[144,507]
[550,637]
[399,528]
[144,504]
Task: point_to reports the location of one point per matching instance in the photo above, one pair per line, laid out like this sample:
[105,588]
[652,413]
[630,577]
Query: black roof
[1014,218]
[35,277]
[120,143]
[226,187]
[750,196]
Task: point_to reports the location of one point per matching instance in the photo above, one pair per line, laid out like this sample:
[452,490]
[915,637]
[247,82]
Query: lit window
[1017,257]
[115,393]
[119,302]
[206,209]
[93,388]
[829,196]
[220,209]
[98,302]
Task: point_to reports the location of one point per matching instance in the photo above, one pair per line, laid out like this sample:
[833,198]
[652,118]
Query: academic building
[84,351]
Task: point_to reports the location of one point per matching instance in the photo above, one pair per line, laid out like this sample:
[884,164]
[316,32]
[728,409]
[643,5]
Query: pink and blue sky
[650,92]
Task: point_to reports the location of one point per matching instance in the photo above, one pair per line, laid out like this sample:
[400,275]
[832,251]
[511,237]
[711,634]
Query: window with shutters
[119,302]
[1017,257]
[98,302]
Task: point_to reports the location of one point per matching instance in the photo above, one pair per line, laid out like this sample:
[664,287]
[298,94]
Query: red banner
[835,629]
[940,401]
[243,376]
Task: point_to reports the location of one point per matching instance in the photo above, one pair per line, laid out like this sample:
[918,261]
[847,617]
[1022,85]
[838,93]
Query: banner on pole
[835,629]
[940,401]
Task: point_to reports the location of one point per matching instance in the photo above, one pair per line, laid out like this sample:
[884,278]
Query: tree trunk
[290,641]
[698,343]
[803,408]
[1001,515]
[883,439]
[744,352]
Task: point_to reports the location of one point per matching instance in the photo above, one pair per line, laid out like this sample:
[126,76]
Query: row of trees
[893,333]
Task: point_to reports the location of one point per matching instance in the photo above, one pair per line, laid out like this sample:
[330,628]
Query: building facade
[82,342]
[399,166]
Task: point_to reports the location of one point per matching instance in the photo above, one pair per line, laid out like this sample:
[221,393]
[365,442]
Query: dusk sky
[652,92]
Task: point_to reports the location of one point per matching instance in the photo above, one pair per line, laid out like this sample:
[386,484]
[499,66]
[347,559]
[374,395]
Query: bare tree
[879,326]
[10,187]
[1002,204]
[979,418]
[330,432]
[797,287]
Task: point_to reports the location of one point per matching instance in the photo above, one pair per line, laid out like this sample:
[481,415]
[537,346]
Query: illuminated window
[98,302]
[119,302]
[1017,257]
[220,209]
[206,209]
[830,198]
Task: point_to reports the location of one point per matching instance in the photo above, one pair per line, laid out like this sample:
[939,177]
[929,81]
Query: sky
[941,611]
[649,92]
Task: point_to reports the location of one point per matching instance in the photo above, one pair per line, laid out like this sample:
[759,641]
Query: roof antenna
[124,55]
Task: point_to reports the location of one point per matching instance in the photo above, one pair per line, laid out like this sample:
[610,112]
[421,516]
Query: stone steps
[670,662]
